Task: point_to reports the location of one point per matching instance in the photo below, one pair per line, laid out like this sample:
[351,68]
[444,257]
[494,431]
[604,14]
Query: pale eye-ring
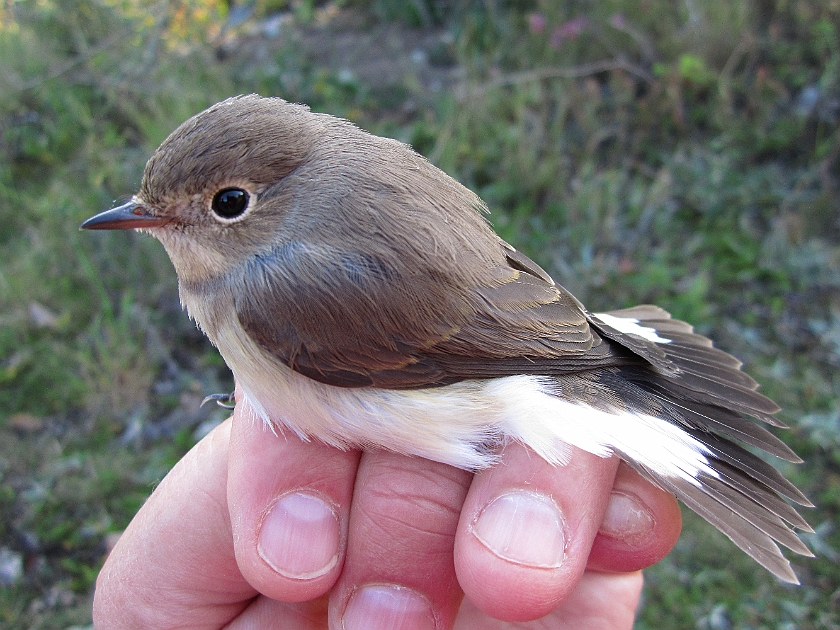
[229,203]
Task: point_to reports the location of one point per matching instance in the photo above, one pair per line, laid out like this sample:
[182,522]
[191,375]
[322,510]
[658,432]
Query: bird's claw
[223,400]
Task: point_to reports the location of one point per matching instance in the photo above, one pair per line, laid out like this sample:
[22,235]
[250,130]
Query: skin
[380,533]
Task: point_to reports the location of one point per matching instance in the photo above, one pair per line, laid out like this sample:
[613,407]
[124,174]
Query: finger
[399,572]
[174,564]
[526,530]
[641,525]
[600,601]
[265,613]
[289,503]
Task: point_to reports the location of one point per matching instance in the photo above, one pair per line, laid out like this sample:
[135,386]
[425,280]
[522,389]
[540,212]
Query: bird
[361,298]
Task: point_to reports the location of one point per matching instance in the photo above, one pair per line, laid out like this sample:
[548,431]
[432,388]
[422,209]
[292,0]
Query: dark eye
[230,202]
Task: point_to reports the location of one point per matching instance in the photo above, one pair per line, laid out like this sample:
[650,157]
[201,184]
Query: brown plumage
[306,246]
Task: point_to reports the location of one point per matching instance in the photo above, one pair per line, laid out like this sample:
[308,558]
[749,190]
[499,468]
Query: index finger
[174,566]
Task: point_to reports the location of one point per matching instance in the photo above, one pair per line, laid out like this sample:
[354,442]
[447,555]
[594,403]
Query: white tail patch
[630,326]
[548,424]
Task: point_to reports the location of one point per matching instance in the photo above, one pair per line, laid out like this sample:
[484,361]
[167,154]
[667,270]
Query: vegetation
[682,153]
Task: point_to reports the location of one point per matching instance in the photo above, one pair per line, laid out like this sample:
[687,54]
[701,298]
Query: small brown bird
[361,298]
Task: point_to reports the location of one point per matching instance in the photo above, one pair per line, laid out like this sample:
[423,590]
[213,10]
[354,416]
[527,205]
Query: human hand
[252,530]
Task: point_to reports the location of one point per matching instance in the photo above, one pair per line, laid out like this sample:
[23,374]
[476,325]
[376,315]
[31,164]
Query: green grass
[678,153]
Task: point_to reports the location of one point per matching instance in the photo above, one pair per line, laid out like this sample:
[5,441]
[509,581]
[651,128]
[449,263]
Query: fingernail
[300,536]
[387,607]
[627,519]
[523,527]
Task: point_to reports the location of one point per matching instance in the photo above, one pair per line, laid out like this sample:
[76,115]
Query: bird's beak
[129,215]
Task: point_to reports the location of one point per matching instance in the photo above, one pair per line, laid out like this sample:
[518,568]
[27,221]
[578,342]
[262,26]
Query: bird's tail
[702,391]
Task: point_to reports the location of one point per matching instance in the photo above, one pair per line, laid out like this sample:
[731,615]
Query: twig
[743,47]
[570,72]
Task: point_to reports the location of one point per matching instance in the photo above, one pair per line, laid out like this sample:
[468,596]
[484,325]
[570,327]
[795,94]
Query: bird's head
[215,192]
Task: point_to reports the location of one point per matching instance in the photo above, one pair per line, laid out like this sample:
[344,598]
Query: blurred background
[685,153]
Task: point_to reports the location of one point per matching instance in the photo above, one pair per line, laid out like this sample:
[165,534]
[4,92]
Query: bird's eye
[230,202]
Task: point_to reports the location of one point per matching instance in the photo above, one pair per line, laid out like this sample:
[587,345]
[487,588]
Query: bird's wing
[346,321]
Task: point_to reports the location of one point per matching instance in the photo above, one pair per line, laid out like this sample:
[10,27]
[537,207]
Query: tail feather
[732,397]
[746,536]
[755,514]
[702,390]
[760,494]
[706,417]
[752,465]
[713,357]
[714,372]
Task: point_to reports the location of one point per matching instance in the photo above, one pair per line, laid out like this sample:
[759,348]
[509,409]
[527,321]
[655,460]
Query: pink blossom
[618,20]
[536,23]
[568,30]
